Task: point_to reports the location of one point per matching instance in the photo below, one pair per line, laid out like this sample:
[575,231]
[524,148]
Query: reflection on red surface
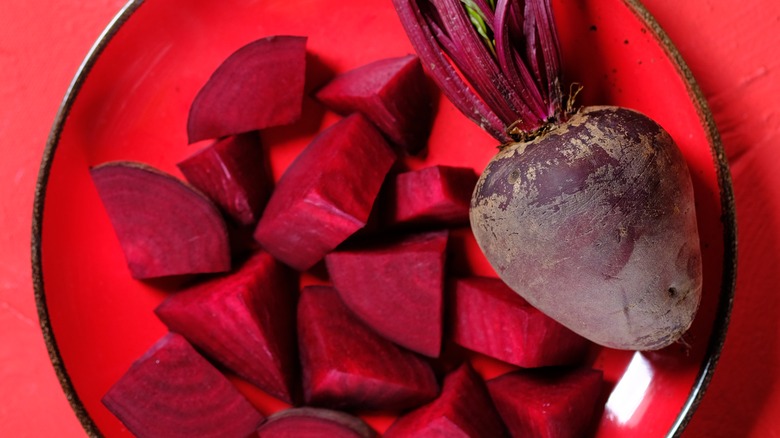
[133,105]
[630,391]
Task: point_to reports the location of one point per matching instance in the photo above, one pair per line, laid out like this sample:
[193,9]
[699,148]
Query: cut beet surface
[314,423]
[348,366]
[258,86]
[244,321]
[172,391]
[234,173]
[486,316]
[396,288]
[326,194]
[165,227]
[393,93]
[547,403]
[434,195]
[463,409]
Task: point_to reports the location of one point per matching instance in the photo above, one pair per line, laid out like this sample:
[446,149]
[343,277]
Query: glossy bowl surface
[130,101]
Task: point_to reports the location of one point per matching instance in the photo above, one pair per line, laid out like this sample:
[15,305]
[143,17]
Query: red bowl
[130,101]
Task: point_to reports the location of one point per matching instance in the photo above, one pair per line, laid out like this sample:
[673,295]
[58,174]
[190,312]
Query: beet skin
[594,224]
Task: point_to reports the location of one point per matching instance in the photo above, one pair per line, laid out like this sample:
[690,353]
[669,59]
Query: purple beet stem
[511,79]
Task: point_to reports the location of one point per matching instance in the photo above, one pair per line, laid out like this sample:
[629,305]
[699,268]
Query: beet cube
[326,194]
[396,288]
[393,93]
[488,317]
[258,86]
[234,173]
[444,200]
[172,391]
[348,366]
[463,409]
[165,227]
[547,403]
[314,423]
[245,321]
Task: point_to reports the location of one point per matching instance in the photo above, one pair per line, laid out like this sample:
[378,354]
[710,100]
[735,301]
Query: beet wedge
[326,194]
[463,409]
[234,173]
[396,288]
[435,195]
[258,86]
[314,423]
[348,366]
[547,403]
[172,391]
[244,321]
[164,226]
[487,316]
[393,93]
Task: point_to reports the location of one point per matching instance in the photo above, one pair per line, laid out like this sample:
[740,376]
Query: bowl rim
[728,217]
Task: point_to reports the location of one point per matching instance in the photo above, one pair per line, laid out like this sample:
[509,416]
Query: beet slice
[348,366]
[396,288]
[314,423]
[326,194]
[165,227]
[463,409]
[393,93]
[547,403]
[244,321]
[444,200]
[234,173]
[487,316]
[258,86]
[172,391]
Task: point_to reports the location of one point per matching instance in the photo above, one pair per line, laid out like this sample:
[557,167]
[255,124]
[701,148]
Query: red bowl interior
[131,102]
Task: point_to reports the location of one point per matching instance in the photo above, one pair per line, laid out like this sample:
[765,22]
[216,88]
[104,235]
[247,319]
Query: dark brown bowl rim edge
[728,219]
[37,224]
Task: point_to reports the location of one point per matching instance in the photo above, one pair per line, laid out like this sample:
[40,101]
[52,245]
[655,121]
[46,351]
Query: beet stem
[421,35]
[494,59]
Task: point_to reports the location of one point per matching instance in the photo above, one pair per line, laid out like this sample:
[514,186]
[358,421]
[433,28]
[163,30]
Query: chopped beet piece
[172,391]
[165,227]
[463,409]
[348,366]
[258,86]
[437,195]
[326,194]
[547,403]
[245,321]
[488,317]
[396,288]
[314,423]
[393,93]
[234,173]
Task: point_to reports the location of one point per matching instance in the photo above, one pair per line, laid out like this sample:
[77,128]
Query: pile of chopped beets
[388,329]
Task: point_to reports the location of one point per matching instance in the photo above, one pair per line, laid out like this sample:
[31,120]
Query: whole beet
[588,214]
[594,224]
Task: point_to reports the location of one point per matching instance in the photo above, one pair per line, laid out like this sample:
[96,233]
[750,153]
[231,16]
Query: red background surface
[732,47]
